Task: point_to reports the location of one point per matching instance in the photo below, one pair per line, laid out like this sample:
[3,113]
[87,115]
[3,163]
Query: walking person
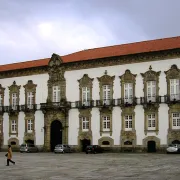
[9,156]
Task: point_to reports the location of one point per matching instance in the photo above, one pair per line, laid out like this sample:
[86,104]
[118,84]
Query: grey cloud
[80,24]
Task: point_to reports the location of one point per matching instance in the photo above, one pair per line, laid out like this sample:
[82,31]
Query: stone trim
[30,87]
[151,138]
[14,89]
[151,75]
[128,135]
[105,112]
[109,139]
[172,73]
[151,109]
[49,117]
[11,118]
[85,81]
[106,80]
[2,93]
[173,134]
[127,77]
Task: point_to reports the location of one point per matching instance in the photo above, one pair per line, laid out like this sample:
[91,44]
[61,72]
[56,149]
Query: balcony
[84,105]
[11,109]
[55,105]
[150,100]
[126,102]
[173,99]
[28,107]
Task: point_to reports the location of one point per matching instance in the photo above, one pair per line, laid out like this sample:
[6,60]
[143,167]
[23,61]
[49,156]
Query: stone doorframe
[49,117]
[151,138]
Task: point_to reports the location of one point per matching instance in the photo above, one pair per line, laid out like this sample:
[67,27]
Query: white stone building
[120,97]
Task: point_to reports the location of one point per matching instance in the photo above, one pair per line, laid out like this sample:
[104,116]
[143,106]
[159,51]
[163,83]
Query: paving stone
[107,166]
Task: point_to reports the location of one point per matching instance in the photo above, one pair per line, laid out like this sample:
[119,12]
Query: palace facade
[124,97]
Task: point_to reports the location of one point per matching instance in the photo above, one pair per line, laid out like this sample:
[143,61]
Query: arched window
[105,143]
[13,143]
[127,143]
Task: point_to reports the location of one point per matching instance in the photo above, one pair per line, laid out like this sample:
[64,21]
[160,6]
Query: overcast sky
[34,29]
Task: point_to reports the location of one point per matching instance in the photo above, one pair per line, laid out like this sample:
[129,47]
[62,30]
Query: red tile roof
[102,52]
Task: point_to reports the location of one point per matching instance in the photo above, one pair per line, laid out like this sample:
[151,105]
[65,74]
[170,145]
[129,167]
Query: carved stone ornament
[151,75]
[56,76]
[55,60]
[151,138]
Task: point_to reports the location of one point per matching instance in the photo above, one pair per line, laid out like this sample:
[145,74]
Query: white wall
[41,96]
[72,78]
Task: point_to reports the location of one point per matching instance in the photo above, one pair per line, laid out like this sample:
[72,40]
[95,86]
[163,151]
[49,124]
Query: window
[175,120]
[0,126]
[56,94]
[174,89]
[128,122]
[29,126]
[151,91]
[1,100]
[14,101]
[106,123]
[85,123]
[30,100]
[151,121]
[13,126]
[128,92]
[86,95]
[106,94]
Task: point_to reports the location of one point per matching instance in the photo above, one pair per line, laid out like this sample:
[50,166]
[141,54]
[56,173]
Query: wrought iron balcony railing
[28,107]
[173,98]
[55,105]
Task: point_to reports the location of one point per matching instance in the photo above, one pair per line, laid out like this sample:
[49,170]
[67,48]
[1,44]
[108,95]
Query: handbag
[6,154]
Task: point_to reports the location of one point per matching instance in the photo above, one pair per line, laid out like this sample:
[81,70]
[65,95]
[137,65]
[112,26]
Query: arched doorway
[176,142]
[29,141]
[151,146]
[56,134]
[85,143]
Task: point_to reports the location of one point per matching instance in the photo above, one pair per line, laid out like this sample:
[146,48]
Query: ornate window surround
[106,80]
[151,75]
[30,87]
[128,135]
[105,112]
[172,73]
[84,113]
[151,109]
[1,125]
[109,139]
[11,118]
[2,93]
[29,116]
[14,89]
[85,81]
[56,77]
[127,77]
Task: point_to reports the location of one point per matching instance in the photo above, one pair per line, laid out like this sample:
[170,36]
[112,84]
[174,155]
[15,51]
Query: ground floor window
[151,121]
[175,120]
[106,123]
[128,122]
